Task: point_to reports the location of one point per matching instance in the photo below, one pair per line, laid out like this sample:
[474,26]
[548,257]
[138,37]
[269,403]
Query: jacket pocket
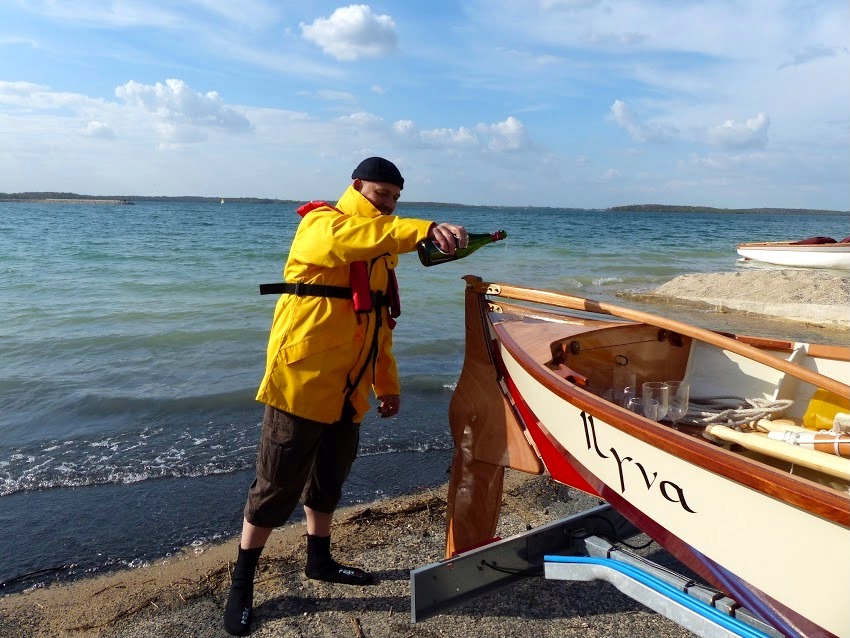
[314,345]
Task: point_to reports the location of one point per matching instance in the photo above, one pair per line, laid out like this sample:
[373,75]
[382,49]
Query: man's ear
[358,185]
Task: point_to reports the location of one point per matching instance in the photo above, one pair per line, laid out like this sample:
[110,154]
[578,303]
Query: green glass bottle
[430,255]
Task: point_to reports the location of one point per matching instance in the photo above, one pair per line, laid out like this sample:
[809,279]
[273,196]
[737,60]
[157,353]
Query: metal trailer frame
[578,548]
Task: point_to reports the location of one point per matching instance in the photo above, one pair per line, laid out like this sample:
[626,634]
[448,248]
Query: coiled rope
[731,411]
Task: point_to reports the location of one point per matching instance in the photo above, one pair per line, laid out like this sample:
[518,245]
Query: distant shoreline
[74,198]
[664,208]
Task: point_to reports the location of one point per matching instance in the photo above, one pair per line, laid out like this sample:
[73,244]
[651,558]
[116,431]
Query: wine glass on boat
[679,397]
[660,392]
[629,392]
[646,407]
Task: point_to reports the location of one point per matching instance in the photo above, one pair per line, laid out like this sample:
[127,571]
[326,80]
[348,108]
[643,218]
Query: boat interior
[602,355]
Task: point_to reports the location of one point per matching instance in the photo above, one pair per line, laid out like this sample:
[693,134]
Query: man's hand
[448,237]
[390,405]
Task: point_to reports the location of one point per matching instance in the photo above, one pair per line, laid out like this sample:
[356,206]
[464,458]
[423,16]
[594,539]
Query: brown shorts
[300,458]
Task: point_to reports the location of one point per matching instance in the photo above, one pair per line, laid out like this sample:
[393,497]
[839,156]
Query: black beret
[377,169]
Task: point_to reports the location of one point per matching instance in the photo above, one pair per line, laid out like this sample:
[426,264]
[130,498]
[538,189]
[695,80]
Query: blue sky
[574,103]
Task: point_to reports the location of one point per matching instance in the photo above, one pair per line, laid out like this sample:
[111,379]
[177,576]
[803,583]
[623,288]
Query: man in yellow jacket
[330,344]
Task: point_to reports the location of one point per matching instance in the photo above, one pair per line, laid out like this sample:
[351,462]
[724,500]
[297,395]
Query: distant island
[663,208]
[74,198]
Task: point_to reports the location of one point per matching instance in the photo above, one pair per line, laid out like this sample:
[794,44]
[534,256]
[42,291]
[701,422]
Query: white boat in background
[831,255]
[759,522]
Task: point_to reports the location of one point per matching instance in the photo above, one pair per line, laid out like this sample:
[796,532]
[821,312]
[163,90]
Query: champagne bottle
[430,255]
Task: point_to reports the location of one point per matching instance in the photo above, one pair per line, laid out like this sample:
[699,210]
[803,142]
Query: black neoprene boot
[240,600]
[320,565]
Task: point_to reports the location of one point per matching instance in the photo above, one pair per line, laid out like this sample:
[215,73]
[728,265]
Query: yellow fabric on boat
[822,409]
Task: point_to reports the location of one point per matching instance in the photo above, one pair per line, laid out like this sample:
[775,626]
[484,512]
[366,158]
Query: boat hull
[831,256]
[759,551]
[765,532]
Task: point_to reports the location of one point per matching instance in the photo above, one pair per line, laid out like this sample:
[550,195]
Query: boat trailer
[580,548]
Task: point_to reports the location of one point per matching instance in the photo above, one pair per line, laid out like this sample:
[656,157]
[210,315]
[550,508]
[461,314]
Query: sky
[563,103]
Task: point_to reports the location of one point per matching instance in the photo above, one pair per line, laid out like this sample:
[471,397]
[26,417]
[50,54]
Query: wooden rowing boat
[534,395]
[834,255]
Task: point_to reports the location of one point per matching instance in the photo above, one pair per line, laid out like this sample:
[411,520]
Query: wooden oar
[779,425]
[832,465]
[580,303]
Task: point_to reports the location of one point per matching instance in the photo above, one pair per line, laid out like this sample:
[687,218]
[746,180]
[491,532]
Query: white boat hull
[765,543]
[831,256]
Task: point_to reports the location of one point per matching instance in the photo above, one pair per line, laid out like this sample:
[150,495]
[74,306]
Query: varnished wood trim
[837,353]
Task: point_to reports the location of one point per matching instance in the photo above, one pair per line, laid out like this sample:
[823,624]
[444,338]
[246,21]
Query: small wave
[89,403]
[430,347]
[422,446]
[130,458]
[428,383]
[601,281]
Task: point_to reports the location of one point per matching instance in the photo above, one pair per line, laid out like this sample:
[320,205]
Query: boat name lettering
[668,489]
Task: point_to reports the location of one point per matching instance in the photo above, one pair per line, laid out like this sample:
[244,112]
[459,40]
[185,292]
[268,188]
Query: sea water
[132,340]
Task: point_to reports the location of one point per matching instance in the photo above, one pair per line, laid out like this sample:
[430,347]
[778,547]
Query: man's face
[382,195]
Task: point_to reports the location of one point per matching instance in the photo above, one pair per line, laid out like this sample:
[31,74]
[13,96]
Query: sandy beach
[184,595]
[806,296]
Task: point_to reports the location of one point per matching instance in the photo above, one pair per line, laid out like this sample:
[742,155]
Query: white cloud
[29,95]
[17,40]
[449,137]
[505,136]
[175,107]
[509,135]
[640,131]
[97,12]
[548,5]
[152,13]
[98,130]
[730,135]
[353,32]
[173,135]
[814,52]
[736,135]
[361,119]
[330,95]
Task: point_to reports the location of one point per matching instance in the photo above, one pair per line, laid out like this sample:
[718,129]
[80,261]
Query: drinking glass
[621,379]
[679,392]
[659,391]
[646,407]
[629,392]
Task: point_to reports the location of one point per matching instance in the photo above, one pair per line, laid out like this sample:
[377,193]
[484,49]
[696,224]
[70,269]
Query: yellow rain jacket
[319,345]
